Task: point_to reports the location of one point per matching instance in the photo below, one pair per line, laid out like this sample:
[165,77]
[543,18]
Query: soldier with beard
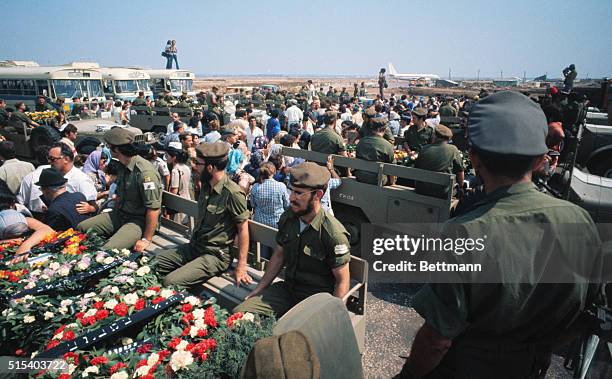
[312,245]
[223,217]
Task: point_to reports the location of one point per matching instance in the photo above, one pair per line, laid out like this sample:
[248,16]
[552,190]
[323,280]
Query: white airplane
[392,72]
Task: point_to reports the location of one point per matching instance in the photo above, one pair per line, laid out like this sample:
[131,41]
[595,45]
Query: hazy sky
[318,37]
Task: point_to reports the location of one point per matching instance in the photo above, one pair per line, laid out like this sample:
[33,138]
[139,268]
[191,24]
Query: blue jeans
[175,61]
[169,62]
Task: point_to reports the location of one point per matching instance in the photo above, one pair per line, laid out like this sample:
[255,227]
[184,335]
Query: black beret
[216,150]
[443,131]
[119,136]
[508,122]
[309,175]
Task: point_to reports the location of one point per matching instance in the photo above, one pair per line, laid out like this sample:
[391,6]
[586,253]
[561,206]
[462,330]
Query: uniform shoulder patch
[341,249]
[149,185]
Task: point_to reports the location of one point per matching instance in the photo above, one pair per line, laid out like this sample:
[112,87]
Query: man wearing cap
[42,105]
[133,221]
[419,134]
[222,219]
[374,148]
[182,102]
[447,110]
[61,212]
[439,156]
[479,330]
[365,130]
[312,245]
[161,102]
[326,140]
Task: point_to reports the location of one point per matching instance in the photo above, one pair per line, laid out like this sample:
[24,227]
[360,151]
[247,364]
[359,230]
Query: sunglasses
[53,159]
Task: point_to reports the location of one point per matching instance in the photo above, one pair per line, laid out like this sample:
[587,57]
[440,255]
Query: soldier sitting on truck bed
[419,134]
[326,140]
[312,245]
[4,114]
[19,116]
[42,105]
[365,131]
[375,148]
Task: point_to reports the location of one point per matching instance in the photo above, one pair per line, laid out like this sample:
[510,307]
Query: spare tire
[44,135]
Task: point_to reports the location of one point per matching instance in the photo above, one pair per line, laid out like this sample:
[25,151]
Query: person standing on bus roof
[168,54]
[173,52]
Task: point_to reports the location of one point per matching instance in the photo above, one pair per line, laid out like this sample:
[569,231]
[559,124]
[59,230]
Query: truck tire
[601,165]
[351,218]
[44,135]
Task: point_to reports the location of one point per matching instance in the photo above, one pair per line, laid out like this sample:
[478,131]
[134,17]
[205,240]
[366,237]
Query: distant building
[507,82]
[444,83]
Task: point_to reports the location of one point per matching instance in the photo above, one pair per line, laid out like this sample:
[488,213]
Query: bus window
[68,88]
[143,85]
[42,88]
[11,87]
[178,85]
[158,85]
[123,86]
[95,88]
[28,87]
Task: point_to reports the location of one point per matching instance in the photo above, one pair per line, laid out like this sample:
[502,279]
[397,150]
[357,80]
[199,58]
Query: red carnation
[148,376]
[19,352]
[174,343]
[140,304]
[186,331]
[145,348]
[142,362]
[189,347]
[101,314]
[204,356]
[156,288]
[98,305]
[117,367]
[52,344]
[64,376]
[121,309]
[202,332]
[79,315]
[59,330]
[158,299]
[82,248]
[68,335]
[163,354]
[209,317]
[187,308]
[73,356]
[99,361]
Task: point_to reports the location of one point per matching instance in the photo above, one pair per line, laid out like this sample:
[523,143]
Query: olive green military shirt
[138,188]
[311,254]
[365,131]
[161,103]
[416,139]
[220,210]
[44,107]
[21,117]
[182,104]
[139,102]
[515,310]
[373,148]
[448,111]
[327,141]
[440,157]
[4,117]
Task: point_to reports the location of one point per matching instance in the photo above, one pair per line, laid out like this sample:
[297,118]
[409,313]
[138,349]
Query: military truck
[156,119]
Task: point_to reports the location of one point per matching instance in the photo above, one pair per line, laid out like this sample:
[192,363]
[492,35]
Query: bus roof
[50,72]
[170,74]
[120,73]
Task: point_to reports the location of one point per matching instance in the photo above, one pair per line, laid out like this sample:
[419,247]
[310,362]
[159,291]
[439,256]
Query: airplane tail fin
[392,70]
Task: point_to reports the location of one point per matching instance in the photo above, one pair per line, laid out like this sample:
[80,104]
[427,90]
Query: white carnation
[166,293]
[45,277]
[30,285]
[144,260]
[27,319]
[126,341]
[142,370]
[108,260]
[198,313]
[120,375]
[54,266]
[142,271]
[82,266]
[91,312]
[192,300]
[150,293]
[125,252]
[89,295]
[130,298]
[35,272]
[114,290]
[64,271]
[153,358]
[63,310]
[130,281]
[90,369]
[66,303]
[248,317]
[180,360]
[182,345]
[48,315]
[111,304]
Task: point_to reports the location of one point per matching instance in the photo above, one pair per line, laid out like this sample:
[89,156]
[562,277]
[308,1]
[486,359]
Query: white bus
[25,84]
[124,83]
[175,81]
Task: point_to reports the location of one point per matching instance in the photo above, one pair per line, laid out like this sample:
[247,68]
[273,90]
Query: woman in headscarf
[259,155]
[94,168]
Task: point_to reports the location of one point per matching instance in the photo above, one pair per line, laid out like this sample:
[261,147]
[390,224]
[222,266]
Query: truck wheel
[43,135]
[601,165]
[351,218]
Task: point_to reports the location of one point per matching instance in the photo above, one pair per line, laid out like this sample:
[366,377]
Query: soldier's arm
[343,280]
[242,237]
[426,353]
[274,267]
[40,231]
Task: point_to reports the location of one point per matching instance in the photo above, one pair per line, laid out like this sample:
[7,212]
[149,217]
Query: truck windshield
[126,86]
[143,85]
[95,88]
[179,85]
[69,88]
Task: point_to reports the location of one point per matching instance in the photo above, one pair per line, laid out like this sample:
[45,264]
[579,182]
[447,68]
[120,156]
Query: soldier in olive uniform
[311,244]
[19,116]
[140,100]
[133,221]
[182,103]
[365,130]
[374,148]
[326,140]
[42,105]
[222,219]
[419,134]
[505,329]
[447,110]
[440,157]
[4,115]
[161,102]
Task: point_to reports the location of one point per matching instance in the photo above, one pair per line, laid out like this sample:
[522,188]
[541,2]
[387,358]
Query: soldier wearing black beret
[222,219]
[375,148]
[312,245]
[419,133]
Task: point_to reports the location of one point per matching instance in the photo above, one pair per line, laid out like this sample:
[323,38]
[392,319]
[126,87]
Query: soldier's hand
[141,245]
[19,258]
[242,277]
[85,208]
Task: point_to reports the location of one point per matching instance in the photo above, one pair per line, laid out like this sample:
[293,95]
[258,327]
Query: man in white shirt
[170,128]
[252,132]
[12,170]
[294,114]
[61,158]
